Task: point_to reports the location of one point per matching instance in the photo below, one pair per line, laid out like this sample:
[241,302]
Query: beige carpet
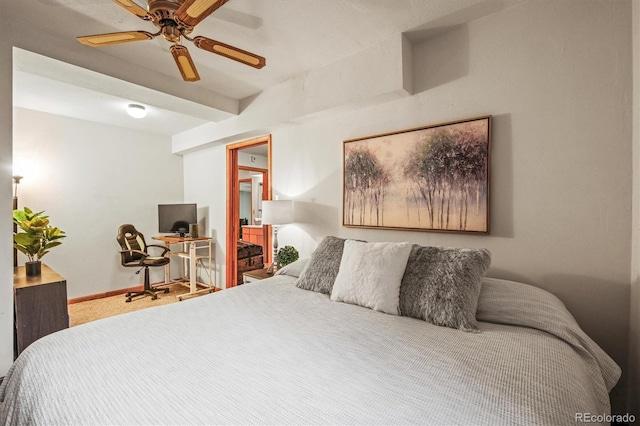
[92,310]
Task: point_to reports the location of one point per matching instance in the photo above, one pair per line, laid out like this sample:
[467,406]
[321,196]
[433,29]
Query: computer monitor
[176,218]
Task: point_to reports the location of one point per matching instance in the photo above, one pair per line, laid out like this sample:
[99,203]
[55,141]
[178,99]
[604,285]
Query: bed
[270,352]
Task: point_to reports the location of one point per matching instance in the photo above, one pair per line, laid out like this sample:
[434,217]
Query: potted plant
[286,255]
[35,237]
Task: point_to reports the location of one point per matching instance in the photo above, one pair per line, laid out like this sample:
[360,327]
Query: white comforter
[270,353]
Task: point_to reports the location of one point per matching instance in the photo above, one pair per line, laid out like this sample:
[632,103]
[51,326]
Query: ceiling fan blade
[192,12]
[132,7]
[230,52]
[107,39]
[185,63]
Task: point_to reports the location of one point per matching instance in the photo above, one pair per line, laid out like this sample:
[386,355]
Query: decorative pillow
[294,268]
[370,275]
[442,285]
[322,269]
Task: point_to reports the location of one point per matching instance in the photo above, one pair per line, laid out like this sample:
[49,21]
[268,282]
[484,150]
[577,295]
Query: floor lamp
[275,213]
[16,181]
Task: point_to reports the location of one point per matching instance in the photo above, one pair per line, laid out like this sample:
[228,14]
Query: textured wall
[557,78]
[6,260]
[91,178]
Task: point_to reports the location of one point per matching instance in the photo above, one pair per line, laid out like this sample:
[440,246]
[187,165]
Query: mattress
[271,353]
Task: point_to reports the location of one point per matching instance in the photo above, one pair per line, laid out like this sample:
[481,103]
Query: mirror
[250,197]
[245,202]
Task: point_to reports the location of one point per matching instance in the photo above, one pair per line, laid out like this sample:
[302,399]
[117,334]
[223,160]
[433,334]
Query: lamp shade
[277,212]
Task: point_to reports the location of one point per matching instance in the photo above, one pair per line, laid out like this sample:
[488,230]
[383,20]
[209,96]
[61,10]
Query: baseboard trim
[127,290]
[103,295]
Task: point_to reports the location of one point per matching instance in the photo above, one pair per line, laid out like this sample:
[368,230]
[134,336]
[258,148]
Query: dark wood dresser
[40,306]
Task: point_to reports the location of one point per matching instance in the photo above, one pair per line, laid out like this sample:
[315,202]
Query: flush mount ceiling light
[136,111]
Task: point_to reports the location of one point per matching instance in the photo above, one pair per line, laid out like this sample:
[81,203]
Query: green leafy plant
[37,235]
[287,255]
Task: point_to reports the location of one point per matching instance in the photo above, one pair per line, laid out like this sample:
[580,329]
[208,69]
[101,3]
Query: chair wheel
[166,290]
[127,295]
[179,299]
[128,299]
[154,297]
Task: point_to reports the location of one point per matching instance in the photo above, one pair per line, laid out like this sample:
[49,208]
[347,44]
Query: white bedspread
[270,353]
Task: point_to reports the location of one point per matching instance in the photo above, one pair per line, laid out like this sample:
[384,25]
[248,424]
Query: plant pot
[33,268]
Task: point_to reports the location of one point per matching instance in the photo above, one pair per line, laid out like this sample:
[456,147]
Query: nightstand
[255,275]
[40,305]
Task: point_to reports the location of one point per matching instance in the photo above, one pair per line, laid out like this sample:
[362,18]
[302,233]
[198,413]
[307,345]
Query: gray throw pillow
[442,285]
[323,266]
[293,269]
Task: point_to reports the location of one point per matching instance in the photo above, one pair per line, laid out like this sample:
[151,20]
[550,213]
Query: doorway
[248,163]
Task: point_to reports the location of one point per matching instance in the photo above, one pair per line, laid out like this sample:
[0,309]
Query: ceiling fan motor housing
[163,9]
[163,16]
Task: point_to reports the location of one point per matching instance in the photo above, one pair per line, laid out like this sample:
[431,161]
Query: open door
[233,203]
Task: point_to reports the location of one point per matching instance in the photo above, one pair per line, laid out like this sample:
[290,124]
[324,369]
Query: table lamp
[275,213]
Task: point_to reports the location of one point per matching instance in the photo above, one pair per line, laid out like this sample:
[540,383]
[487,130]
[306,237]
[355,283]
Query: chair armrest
[141,253]
[165,249]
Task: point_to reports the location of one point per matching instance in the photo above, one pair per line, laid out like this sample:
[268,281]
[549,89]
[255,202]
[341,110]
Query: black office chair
[135,254]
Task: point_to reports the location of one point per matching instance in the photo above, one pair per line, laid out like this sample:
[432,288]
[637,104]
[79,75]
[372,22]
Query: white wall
[205,183]
[252,160]
[557,78]
[90,178]
[6,230]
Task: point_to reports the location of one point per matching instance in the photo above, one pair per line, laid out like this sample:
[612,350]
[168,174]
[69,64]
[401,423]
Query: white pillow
[370,275]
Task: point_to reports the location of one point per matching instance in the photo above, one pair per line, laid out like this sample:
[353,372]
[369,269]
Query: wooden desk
[192,251]
[40,306]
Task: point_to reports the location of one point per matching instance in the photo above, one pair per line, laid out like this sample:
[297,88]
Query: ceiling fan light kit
[176,19]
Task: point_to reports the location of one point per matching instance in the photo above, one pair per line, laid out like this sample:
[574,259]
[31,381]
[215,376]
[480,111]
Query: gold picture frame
[433,178]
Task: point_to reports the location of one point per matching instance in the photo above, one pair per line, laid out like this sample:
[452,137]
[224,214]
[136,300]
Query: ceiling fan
[175,20]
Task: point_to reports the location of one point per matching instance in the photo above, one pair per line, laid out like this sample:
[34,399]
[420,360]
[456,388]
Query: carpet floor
[91,310]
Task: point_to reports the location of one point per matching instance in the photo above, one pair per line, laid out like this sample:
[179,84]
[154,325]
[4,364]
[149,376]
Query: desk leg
[192,268]
[167,267]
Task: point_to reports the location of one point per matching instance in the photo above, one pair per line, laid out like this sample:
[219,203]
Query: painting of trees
[434,178]
[365,182]
[449,171]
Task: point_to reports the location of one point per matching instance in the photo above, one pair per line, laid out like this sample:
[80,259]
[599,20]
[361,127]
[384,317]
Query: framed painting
[433,178]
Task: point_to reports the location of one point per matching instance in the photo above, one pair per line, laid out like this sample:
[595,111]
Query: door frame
[233,204]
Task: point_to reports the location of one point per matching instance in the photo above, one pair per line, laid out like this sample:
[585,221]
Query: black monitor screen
[176,218]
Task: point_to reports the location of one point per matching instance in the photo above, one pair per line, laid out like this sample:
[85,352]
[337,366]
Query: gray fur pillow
[323,266]
[442,285]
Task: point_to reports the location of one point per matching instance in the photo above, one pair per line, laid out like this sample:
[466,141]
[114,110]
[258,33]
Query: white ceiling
[294,35]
